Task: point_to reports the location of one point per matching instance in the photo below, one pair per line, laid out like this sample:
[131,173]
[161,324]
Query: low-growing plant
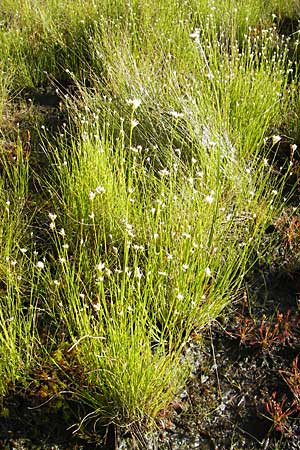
[292,378]
[279,330]
[279,413]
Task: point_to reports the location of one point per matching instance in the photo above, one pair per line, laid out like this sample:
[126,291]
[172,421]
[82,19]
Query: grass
[18,296]
[159,190]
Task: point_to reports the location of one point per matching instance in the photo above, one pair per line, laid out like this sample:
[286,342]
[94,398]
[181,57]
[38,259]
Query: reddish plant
[267,334]
[292,378]
[245,330]
[293,233]
[287,326]
[283,330]
[280,412]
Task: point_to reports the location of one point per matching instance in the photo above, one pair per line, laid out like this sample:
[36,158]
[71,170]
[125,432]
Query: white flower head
[293,147]
[276,139]
[207,272]
[100,266]
[134,123]
[96,306]
[135,102]
[195,34]
[52,216]
[164,172]
[130,230]
[176,114]
[92,195]
[100,189]
[138,273]
[164,274]
[209,199]
[40,265]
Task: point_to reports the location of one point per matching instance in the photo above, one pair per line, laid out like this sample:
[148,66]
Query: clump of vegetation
[155,195]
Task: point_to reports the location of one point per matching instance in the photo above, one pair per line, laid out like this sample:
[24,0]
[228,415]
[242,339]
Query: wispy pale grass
[42,39]
[145,255]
